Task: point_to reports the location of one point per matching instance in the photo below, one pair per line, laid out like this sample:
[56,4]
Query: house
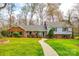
[35,30]
[62,30]
[30,30]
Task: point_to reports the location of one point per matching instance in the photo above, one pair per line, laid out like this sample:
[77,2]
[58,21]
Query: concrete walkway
[48,51]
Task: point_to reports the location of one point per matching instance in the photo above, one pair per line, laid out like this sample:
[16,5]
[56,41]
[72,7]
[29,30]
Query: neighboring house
[62,30]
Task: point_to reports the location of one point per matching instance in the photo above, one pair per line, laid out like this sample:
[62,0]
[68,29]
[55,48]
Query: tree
[10,9]
[40,11]
[25,9]
[69,21]
[59,15]
[2,5]
[33,11]
[52,9]
[76,7]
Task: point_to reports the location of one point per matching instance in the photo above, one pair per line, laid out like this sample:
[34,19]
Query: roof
[15,29]
[34,28]
[57,24]
[42,27]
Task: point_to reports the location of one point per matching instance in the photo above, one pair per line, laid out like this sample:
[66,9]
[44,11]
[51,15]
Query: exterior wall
[57,36]
[70,29]
[60,31]
[33,34]
[62,36]
[24,34]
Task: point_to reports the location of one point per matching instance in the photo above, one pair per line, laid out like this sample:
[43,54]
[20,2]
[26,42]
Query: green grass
[65,47]
[21,47]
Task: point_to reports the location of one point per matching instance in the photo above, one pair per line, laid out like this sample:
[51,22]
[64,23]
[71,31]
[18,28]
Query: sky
[65,7]
[18,5]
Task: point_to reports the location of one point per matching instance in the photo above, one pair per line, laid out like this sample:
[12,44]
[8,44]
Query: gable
[16,29]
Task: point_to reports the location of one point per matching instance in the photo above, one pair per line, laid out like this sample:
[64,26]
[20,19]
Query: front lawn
[65,47]
[21,47]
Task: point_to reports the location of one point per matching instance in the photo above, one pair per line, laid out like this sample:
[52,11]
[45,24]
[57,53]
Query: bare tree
[25,9]
[76,7]
[10,9]
[33,11]
[69,21]
[2,5]
[52,9]
[40,8]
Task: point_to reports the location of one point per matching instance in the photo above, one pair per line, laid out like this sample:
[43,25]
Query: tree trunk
[25,20]
[78,26]
[72,33]
[52,18]
[30,21]
[10,25]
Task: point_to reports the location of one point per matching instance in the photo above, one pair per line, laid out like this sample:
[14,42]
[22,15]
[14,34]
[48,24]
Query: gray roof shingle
[42,27]
[58,24]
[34,28]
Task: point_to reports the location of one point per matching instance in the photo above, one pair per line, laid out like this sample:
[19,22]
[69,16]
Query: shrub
[16,34]
[5,33]
[1,35]
[51,33]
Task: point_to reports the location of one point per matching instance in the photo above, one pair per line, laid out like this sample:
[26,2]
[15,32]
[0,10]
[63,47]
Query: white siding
[60,31]
[70,29]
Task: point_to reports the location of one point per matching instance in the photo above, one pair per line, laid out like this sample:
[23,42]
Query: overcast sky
[66,6]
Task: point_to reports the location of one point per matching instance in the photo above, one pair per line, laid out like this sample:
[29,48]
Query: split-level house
[62,30]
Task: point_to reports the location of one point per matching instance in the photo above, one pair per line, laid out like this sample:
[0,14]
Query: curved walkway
[48,51]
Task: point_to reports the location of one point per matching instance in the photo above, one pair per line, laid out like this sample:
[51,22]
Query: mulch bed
[4,41]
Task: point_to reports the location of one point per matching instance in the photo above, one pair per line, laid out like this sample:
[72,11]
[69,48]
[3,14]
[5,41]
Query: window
[65,29]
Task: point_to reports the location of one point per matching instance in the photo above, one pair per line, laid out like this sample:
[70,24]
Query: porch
[36,34]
